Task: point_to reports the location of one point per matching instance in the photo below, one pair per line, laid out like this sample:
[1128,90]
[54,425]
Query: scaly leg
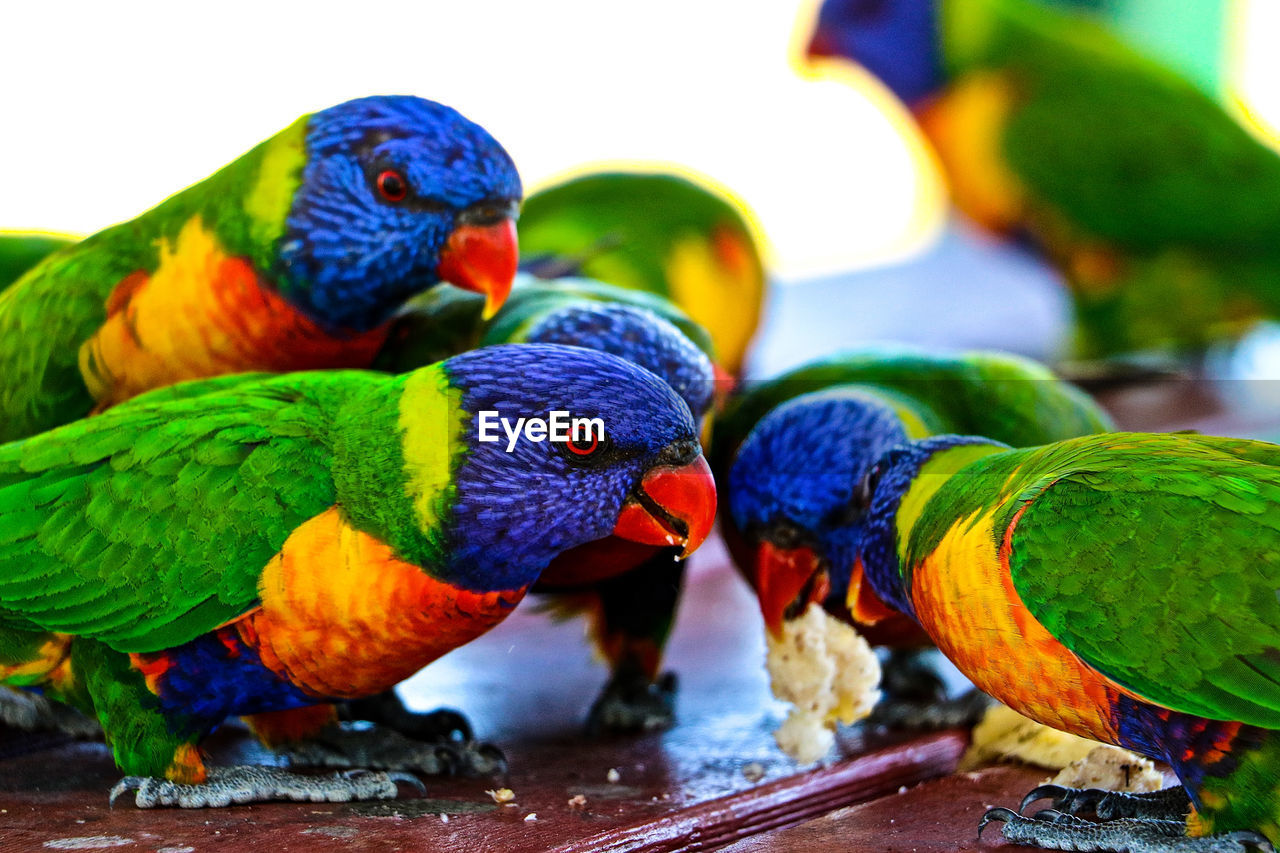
[1054,830]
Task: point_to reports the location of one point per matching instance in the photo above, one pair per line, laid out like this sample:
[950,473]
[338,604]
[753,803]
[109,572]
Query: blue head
[793,493]
[896,40]
[520,503]
[883,488]
[638,335]
[397,194]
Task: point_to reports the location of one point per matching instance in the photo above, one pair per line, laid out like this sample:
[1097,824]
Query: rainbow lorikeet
[629,591]
[658,232]
[1160,210]
[1122,587]
[295,256]
[267,545]
[789,453]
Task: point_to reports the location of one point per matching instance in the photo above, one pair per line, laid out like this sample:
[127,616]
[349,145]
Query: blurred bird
[793,449]
[658,232]
[264,546]
[1125,585]
[295,256]
[1160,210]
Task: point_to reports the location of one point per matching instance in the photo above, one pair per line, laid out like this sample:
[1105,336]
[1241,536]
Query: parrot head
[397,194]
[896,40]
[793,494]
[519,502]
[639,336]
[882,489]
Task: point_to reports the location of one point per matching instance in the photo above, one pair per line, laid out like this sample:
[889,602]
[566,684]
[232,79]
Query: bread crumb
[444,818]
[1112,769]
[828,672]
[753,771]
[530,816]
[613,776]
[502,796]
[579,801]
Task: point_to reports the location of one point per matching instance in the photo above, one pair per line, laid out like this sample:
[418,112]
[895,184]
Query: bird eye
[583,446]
[866,489]
[392,185]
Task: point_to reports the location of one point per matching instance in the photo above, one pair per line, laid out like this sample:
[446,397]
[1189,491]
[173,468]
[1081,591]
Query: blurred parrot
[1160,210]
[629,591]
[295,256]
[789,452]
[266,545]
[658,232]
[1125,586]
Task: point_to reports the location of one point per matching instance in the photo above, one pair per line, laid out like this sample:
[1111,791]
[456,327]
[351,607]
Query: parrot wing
[150,524]
[1157,562]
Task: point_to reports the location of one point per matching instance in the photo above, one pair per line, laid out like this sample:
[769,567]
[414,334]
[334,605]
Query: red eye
[584,445]
[392,185]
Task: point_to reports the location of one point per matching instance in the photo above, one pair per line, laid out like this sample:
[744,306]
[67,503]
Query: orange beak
[483,259]
[671,506]
[864,605]
[782,576]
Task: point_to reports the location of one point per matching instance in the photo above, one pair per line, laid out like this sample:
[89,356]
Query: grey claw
[128,783]
[408,779]
[999,813]
[1044,792]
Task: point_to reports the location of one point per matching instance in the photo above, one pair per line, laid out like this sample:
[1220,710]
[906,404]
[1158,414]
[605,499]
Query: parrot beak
[481,255]
[864,605]
[671,506]
[786,577]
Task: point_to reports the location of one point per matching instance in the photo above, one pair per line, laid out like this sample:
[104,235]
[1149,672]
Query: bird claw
[388,712]
[630,704]
[385,749]
[226,786]
[1167,804]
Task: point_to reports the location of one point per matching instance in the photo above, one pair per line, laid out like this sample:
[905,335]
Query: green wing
[44,318]
[1010,399]
[149,525]
[1190,620]
[1122,148]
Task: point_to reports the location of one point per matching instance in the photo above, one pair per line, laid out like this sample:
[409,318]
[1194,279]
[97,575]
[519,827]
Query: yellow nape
[279,175]
[434,426]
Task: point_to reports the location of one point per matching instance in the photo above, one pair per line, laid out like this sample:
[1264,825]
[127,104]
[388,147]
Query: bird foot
[30,712]
[249,784]
[1054,830]
[348,745]
[630,703]
[1166,804]
[964,711]
[388,712]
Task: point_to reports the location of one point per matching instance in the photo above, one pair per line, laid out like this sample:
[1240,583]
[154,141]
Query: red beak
[820,46]
[782,574]
[671,506]
[483,259]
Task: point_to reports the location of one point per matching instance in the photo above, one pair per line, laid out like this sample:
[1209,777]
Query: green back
[1154,558]
[1123,149]
[21,252]
[51,310]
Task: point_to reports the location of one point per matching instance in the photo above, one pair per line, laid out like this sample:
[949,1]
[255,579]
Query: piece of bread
[828,672]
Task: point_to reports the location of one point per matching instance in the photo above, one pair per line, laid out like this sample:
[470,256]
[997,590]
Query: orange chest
[341,616]
[202,313]
[964,596]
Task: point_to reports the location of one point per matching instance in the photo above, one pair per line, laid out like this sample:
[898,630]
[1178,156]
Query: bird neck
[402,491]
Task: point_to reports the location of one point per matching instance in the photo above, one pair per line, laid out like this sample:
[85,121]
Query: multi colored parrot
[658,232]
[1160,210]
[295,256]
[628,591]
[789,453]
[267,545]
[1122,587]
